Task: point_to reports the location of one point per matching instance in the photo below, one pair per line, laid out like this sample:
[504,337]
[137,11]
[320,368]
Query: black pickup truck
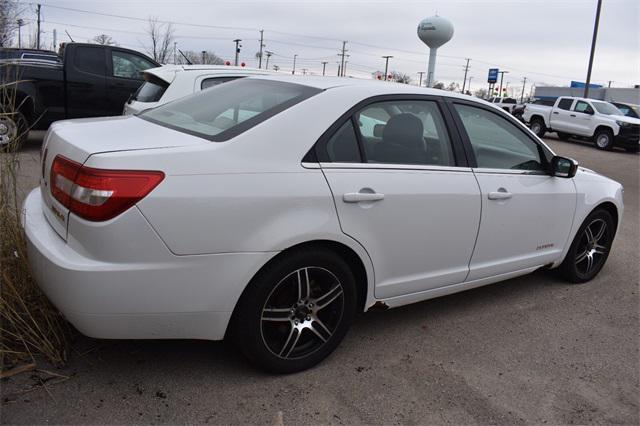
[89,81]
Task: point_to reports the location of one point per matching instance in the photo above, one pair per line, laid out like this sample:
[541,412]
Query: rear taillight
[98,194]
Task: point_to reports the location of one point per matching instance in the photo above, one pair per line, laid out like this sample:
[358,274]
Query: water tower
[434,32]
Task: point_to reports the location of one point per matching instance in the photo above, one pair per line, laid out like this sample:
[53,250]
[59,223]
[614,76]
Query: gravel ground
[529,350]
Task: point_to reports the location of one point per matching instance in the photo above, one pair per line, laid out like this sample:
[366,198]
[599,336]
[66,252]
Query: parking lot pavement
[529,350]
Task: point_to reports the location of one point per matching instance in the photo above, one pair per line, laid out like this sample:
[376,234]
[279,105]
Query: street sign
[493,75]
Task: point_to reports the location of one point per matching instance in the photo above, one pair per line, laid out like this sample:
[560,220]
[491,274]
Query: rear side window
[90,60]
[150,91]
[225,111]
[565,104]
[509,101]
[343,145]
[210,82]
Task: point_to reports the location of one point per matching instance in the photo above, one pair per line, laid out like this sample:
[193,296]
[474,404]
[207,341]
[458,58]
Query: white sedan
[272,209]
[170,82]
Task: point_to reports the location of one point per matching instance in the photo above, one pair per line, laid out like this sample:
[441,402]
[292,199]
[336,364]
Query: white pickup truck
[591,119]
[507,104]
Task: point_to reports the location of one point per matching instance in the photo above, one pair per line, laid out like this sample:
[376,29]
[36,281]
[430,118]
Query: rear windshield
[150,92]
[224,111]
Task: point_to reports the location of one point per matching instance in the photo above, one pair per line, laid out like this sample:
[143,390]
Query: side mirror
[563,167]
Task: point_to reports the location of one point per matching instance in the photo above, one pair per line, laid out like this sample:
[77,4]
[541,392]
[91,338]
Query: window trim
[545,153]
[318,152]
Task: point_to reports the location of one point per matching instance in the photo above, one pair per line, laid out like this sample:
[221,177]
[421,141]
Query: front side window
[405,132]
[210,82]
[128,65]
[583,107]
[227,110]
[565,104]
[497,143]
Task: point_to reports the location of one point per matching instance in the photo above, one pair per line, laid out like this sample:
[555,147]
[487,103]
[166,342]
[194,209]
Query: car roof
[377,87]
[169,72]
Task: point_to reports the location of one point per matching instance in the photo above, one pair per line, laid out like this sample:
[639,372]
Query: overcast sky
[547,41]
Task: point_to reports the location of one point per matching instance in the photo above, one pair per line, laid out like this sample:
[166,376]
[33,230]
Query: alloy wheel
[602,141]
[302,312]
[8,130]
[593,247]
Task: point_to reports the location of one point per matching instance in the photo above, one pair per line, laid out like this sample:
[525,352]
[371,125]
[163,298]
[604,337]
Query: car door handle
[356,197]
[500,194]
[572,115]
[556,112]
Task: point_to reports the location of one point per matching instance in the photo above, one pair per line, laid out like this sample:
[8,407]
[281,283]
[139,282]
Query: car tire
[13,130]
[590,248]
[284,326]
[563,136]
[603,139]
[538,127]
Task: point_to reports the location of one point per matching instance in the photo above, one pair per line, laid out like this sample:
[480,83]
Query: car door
[560,116]
[402,190]
[124,77]
[583,118]
[526,213]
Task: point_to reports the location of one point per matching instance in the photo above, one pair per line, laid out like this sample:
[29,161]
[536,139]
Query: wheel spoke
[599,249]
[304,289]
[320,327]
[600,233]
[327,298]
[589,234]
[291,342]
[589,262]
[276,314]
[581,256]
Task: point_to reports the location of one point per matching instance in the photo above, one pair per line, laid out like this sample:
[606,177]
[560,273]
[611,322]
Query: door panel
[526,221]
[561,116]
[85,82]
[418,226]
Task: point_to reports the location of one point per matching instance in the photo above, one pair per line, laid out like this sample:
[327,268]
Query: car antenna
[69,35]
[185,57]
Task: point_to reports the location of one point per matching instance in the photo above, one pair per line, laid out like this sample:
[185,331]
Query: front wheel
[604,139]
[590,247]
[296,311]
[13,130]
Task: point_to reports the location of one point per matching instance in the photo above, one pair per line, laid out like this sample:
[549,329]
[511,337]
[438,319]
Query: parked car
[506,103]
[270,209]
[14,54]
[591,119]
[629,110]
[92,80]
[164,84]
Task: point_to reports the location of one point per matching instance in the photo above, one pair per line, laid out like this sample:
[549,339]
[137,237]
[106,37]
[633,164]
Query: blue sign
[493,75]
[580,85]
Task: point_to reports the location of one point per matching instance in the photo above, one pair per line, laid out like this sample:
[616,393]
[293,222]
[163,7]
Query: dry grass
[29,324]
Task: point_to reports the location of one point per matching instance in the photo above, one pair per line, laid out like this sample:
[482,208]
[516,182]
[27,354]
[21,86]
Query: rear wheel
[538,127]
[296,311]
[563,136]
[604,139]
[13,130]
[590,247]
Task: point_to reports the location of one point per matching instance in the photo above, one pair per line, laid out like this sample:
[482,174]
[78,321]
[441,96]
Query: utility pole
[469,88]
[524,83]
[386,65]
[268,53]
[38,36]
[593,48]
[261,46]
[175,43]
[204,52]
[55,39]
[294,64]
[502,73]
[304,71]
[344,70]
[238,46]
[420,73]
[342,55]
[20,23]
[466,69]
[609,85]
[324,66]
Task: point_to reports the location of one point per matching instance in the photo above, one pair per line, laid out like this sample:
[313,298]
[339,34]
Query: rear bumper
[169,297]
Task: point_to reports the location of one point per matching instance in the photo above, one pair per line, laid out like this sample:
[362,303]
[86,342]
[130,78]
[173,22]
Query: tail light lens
[98,194]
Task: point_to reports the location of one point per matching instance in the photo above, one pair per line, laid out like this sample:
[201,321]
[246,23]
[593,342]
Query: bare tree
[210,58]
[104,39]
[438,85]
[453,87]
[10,10]
[400,77]
[162,36]
[481,93]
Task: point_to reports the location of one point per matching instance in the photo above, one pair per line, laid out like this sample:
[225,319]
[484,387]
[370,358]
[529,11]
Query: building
[613,94]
